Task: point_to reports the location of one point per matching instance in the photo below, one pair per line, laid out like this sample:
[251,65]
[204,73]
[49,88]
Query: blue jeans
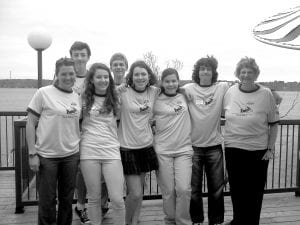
[56,174]
[210,158]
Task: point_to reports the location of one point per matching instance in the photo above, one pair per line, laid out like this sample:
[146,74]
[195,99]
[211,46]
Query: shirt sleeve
[36,104]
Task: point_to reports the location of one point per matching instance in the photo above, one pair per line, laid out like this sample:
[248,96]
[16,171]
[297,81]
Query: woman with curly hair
[135,135]
[99,146]
[249,136]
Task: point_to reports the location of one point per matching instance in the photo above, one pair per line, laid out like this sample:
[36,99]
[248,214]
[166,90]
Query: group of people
[118,128]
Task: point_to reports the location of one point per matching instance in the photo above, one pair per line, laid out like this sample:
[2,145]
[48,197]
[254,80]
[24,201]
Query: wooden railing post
[297,193]
[18,169]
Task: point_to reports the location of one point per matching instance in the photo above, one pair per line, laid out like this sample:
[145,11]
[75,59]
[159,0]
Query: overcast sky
[172,29]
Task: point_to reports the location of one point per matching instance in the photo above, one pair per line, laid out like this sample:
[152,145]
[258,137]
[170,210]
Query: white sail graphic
[281,30]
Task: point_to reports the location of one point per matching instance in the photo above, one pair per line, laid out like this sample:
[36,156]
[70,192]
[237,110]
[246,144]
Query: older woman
[250,134]
[53,118]
[135,135]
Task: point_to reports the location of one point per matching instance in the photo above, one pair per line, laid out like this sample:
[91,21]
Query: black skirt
[137,161]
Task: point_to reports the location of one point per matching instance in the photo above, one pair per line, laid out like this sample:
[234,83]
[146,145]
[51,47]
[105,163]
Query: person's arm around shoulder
[121,88]
[273,118]
[184,90]
[226,86]
[32,122]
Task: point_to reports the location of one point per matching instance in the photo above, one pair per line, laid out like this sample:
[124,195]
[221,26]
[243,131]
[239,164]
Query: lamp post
[39,39]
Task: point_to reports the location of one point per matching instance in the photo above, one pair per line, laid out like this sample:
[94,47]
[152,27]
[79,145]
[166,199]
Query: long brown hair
[88,95]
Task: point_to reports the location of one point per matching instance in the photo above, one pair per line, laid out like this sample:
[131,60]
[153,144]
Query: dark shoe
[104,211]
[83,216]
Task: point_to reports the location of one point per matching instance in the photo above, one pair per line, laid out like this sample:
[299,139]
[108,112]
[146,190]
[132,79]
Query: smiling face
[205,75]
[118,67]
[170,84]
[101,81]
[81,58]
[247,76]
[66,77]
[140,78]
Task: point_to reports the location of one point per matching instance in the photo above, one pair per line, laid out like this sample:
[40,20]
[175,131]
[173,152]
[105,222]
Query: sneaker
[83,216]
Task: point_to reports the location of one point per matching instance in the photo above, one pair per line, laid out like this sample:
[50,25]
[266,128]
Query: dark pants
[247,174]
[56,174]
[210,158]
[80,187]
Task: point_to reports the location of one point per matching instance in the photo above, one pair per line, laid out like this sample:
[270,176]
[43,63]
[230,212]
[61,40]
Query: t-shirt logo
[143,105]
[204,101]
[99,110]
[70,109]
[177,106]
[244,108]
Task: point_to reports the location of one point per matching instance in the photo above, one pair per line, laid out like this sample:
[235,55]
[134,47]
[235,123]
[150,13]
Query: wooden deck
[281,209]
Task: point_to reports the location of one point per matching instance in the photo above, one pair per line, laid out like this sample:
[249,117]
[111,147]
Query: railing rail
[7,159]
[283,171]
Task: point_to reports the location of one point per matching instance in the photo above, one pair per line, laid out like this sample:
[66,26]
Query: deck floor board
[278,209]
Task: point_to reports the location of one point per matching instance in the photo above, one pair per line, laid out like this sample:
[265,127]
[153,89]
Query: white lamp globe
[39,38]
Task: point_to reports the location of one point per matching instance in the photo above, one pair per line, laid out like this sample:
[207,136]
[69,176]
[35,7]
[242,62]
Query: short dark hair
[78,45]
[165,73]
[118,56]
[169,71]
[208,61]
[141,64]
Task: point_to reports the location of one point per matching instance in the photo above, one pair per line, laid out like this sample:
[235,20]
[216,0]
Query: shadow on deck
[283,209]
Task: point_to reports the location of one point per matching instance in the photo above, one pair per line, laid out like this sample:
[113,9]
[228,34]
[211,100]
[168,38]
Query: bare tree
[151,61]
[175,63]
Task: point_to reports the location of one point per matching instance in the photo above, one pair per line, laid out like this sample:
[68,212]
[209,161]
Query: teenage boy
[80,52]
[118,65]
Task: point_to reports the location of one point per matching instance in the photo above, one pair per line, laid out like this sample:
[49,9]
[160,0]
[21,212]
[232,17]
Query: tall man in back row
[80,52]
[118,65]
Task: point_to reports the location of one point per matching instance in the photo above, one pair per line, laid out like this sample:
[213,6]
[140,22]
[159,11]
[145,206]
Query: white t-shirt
[57,132]
[173,125]
[79,85]
[205,110]
[99,138]
[136,110]
[248,116]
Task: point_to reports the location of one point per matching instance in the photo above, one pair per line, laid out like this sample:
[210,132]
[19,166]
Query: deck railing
[283,171]
[7,154]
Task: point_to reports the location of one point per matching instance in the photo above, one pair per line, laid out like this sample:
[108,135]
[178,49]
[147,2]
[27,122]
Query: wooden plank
[278,209]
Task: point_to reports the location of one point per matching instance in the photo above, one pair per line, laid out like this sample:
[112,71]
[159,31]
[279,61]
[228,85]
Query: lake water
[17,99]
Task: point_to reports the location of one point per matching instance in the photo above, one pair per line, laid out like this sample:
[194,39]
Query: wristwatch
[31,155]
